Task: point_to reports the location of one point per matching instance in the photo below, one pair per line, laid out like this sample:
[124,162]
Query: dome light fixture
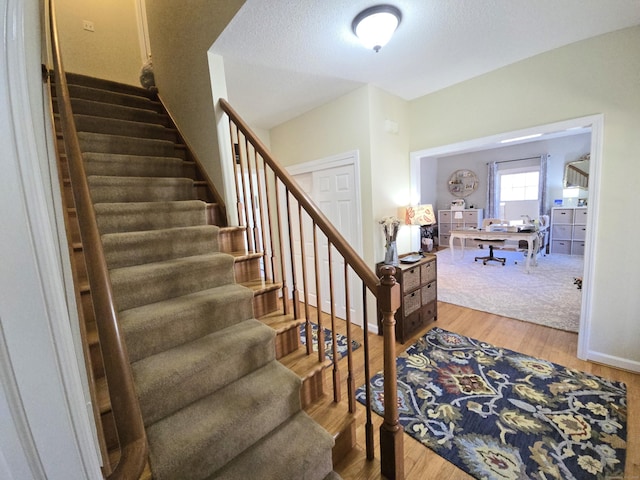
[374,26]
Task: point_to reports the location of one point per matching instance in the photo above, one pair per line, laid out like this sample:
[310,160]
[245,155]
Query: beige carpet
[546,295]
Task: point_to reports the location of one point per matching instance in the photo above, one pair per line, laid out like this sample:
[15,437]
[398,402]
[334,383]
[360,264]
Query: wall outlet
[88,26]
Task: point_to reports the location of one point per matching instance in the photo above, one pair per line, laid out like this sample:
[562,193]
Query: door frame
[597,136]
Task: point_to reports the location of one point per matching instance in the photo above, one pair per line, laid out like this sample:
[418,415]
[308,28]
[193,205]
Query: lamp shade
[420,215]
[375,25]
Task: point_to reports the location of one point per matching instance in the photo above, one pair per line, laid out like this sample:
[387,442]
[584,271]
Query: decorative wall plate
[463,183]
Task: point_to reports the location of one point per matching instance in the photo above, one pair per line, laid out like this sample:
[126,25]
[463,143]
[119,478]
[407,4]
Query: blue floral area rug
[328,347]
[499,414]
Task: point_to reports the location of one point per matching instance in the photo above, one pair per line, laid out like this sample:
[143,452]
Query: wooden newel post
[391,432]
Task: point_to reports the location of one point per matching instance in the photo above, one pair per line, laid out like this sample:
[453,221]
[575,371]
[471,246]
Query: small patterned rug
[328,347]
[499,414]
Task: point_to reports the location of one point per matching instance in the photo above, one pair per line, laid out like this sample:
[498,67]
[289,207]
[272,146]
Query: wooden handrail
[124,402]
[351,257]
[387,292]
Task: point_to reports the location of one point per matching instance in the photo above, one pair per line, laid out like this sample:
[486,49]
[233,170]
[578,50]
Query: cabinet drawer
[470,216]
[580,216]
[562,215]
[561,246]
[411,323]
[428,272]
[562,232]
[444,240]
[579,232]
[428,293]
[411,302]
[410,279]
[429,312]
[444,228]
[445,216]
[577,248]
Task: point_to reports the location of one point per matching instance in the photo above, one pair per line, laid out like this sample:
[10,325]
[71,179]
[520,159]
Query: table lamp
[424,217]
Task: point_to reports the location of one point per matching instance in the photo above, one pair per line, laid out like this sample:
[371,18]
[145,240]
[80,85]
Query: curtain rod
[516,159]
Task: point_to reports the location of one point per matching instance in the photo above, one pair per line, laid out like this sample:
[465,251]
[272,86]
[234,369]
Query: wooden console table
[419,305]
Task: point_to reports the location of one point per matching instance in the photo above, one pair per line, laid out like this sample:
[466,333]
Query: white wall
[375,124]
[598,75]
[112,51]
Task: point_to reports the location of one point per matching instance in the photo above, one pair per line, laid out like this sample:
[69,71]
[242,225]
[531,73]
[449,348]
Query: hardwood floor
[536,340]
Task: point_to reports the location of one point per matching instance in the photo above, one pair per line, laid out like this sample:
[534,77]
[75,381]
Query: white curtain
[492,192]
[542,185]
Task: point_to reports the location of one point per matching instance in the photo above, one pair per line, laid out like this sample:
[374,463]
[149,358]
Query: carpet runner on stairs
[215,402]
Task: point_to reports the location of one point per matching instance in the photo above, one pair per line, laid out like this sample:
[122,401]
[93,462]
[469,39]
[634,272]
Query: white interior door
[334,187]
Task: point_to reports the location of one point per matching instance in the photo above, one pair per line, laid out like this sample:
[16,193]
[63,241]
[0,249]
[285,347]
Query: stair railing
[265,193]
[124,402]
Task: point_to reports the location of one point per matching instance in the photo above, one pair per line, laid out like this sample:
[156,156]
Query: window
[519,186]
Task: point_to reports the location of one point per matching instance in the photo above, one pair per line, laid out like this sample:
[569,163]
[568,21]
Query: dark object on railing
[124,402]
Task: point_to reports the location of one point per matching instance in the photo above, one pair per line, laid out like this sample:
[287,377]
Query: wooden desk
[532,238]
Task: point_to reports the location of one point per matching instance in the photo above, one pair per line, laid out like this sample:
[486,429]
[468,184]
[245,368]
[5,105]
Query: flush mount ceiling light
[375,25]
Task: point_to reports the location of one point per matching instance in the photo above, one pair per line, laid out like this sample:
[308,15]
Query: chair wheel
[484,263]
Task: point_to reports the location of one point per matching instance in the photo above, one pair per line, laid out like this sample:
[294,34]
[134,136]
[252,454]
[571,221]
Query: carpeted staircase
[215,401]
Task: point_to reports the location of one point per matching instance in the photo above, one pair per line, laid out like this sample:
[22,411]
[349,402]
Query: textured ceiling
[285,57]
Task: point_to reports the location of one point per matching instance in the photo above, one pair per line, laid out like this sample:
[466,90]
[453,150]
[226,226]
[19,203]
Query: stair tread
[184,438]
[281,322]
[299,458]
[167,381]
[303,365]
[149,329]
[260,286]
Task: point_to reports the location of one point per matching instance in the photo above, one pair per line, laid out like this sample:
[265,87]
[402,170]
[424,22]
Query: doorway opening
[595,123]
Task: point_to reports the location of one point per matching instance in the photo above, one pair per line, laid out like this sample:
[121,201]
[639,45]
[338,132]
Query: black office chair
[485,223]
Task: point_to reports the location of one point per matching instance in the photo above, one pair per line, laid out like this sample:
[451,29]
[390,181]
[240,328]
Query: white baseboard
[617,362]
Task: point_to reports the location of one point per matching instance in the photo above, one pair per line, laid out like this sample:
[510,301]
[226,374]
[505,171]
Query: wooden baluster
[246,199]
[270,268]
[294,275]
[263,231]
[305,286]
[391,432]
[368,427]
[337,393]
[351,386]
[316,257]
[283,273]
[236,169]
[253,207]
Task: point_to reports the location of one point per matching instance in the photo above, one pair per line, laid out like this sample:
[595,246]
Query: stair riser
[247,269]
[232,240]
[115,98]
[147,190]
[265,303]
[149,331]
[99,109]
[215,361]
[96,142]
[133,166]
[287,342]
[135,286]
[149,216]
[91,124]
[127,249]
[86,81]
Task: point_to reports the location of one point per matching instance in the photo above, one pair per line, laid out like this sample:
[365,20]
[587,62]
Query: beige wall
[112,51]
[598,75]
[356,122]
[180,35]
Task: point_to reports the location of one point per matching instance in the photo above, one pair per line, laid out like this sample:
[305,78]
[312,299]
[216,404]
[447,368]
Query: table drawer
[411,302]
[428,272]
[428,293]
